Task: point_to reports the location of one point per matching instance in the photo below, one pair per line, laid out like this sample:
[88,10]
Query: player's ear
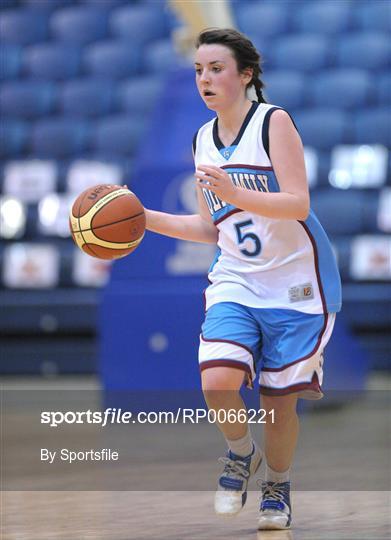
[247,75]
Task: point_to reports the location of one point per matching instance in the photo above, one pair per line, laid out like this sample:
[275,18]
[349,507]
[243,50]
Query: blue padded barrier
[60,137]
[138,95]
[288,89]
[324,16]
[79,24]
[13,138]
[112,59]
[167,311]
[52,61]
[302,52]
[139,24]
[74,310]
[372,126]
[323,128]
[270,19]
[365,50]
[86,97]
[350,88]
[27,99]
[118,135]
[23,26]
[10,61]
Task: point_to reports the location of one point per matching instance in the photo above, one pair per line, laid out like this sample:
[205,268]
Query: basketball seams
[90,237]
[78,220]
[112,222]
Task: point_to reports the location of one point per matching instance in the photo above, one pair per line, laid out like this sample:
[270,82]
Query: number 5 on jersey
[243,236]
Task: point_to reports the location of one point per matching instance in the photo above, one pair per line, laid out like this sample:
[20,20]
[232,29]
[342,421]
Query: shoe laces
[234,467]
[274,494]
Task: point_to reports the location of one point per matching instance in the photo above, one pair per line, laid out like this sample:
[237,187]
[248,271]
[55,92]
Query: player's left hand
[217,180]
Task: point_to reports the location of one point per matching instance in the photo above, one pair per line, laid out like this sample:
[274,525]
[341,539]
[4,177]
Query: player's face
[218,80]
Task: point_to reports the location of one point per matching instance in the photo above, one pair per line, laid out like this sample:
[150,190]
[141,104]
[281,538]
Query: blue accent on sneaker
[276,496]
[231,483]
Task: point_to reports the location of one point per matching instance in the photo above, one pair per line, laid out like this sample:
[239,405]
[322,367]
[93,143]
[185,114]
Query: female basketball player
[274,285]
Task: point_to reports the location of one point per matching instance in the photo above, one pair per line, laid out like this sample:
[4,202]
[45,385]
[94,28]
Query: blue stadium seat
[114,59]
[59,137]
[10,61]
[259,18]
[370,211]
[372,126]
[301,52]
[79,24]
[347,205]
[52,61]
[341,245]
[384,88]
[324,17]
[13,138]
[139,95]
[161,56]
[6,4]
[366,50]
[139,24]
[323,128]
[48,5]
[26,99]
[373,15]
[107,3]
[86,97]
[118,135]
[23,26]
[287,89]
[347,88]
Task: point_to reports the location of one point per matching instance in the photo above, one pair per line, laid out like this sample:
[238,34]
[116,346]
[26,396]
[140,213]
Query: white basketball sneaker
[231,492]
[275,510]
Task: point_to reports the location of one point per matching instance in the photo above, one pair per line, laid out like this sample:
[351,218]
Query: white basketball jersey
[263,262]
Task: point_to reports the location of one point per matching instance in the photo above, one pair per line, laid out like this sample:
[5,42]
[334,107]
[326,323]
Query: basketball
[107,221]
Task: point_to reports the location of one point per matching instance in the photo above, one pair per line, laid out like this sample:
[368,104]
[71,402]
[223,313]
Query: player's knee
[221,379]
[283,407]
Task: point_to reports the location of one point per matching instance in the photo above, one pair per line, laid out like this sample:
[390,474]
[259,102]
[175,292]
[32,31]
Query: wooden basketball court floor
[46,507]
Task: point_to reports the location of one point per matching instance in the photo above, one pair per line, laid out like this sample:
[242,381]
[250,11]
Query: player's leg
[281,432]
[226,360]
[292,368]
[221,387]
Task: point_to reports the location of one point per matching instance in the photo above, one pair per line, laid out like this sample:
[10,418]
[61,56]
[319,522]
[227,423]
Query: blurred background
[102,91]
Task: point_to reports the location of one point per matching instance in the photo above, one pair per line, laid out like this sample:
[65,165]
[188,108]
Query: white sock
[242,447]
[276,477]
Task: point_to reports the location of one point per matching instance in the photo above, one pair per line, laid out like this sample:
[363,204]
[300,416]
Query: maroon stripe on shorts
[299,387]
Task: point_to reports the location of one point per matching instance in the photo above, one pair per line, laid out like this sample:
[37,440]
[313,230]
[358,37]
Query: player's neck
[231,120]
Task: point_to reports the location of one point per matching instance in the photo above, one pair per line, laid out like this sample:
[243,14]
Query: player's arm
[287,157]
[195,227]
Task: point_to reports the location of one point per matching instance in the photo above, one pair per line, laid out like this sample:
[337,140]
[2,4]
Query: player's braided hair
[245,53]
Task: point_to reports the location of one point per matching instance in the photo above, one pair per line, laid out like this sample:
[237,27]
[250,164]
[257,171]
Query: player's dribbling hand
[217,180]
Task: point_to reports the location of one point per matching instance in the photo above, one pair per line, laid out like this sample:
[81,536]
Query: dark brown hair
[245,54]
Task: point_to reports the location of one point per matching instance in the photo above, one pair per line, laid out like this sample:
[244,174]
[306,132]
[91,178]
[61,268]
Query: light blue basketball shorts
[285,345]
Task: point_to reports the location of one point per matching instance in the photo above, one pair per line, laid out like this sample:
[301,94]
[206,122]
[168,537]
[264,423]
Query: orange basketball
[107,221]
